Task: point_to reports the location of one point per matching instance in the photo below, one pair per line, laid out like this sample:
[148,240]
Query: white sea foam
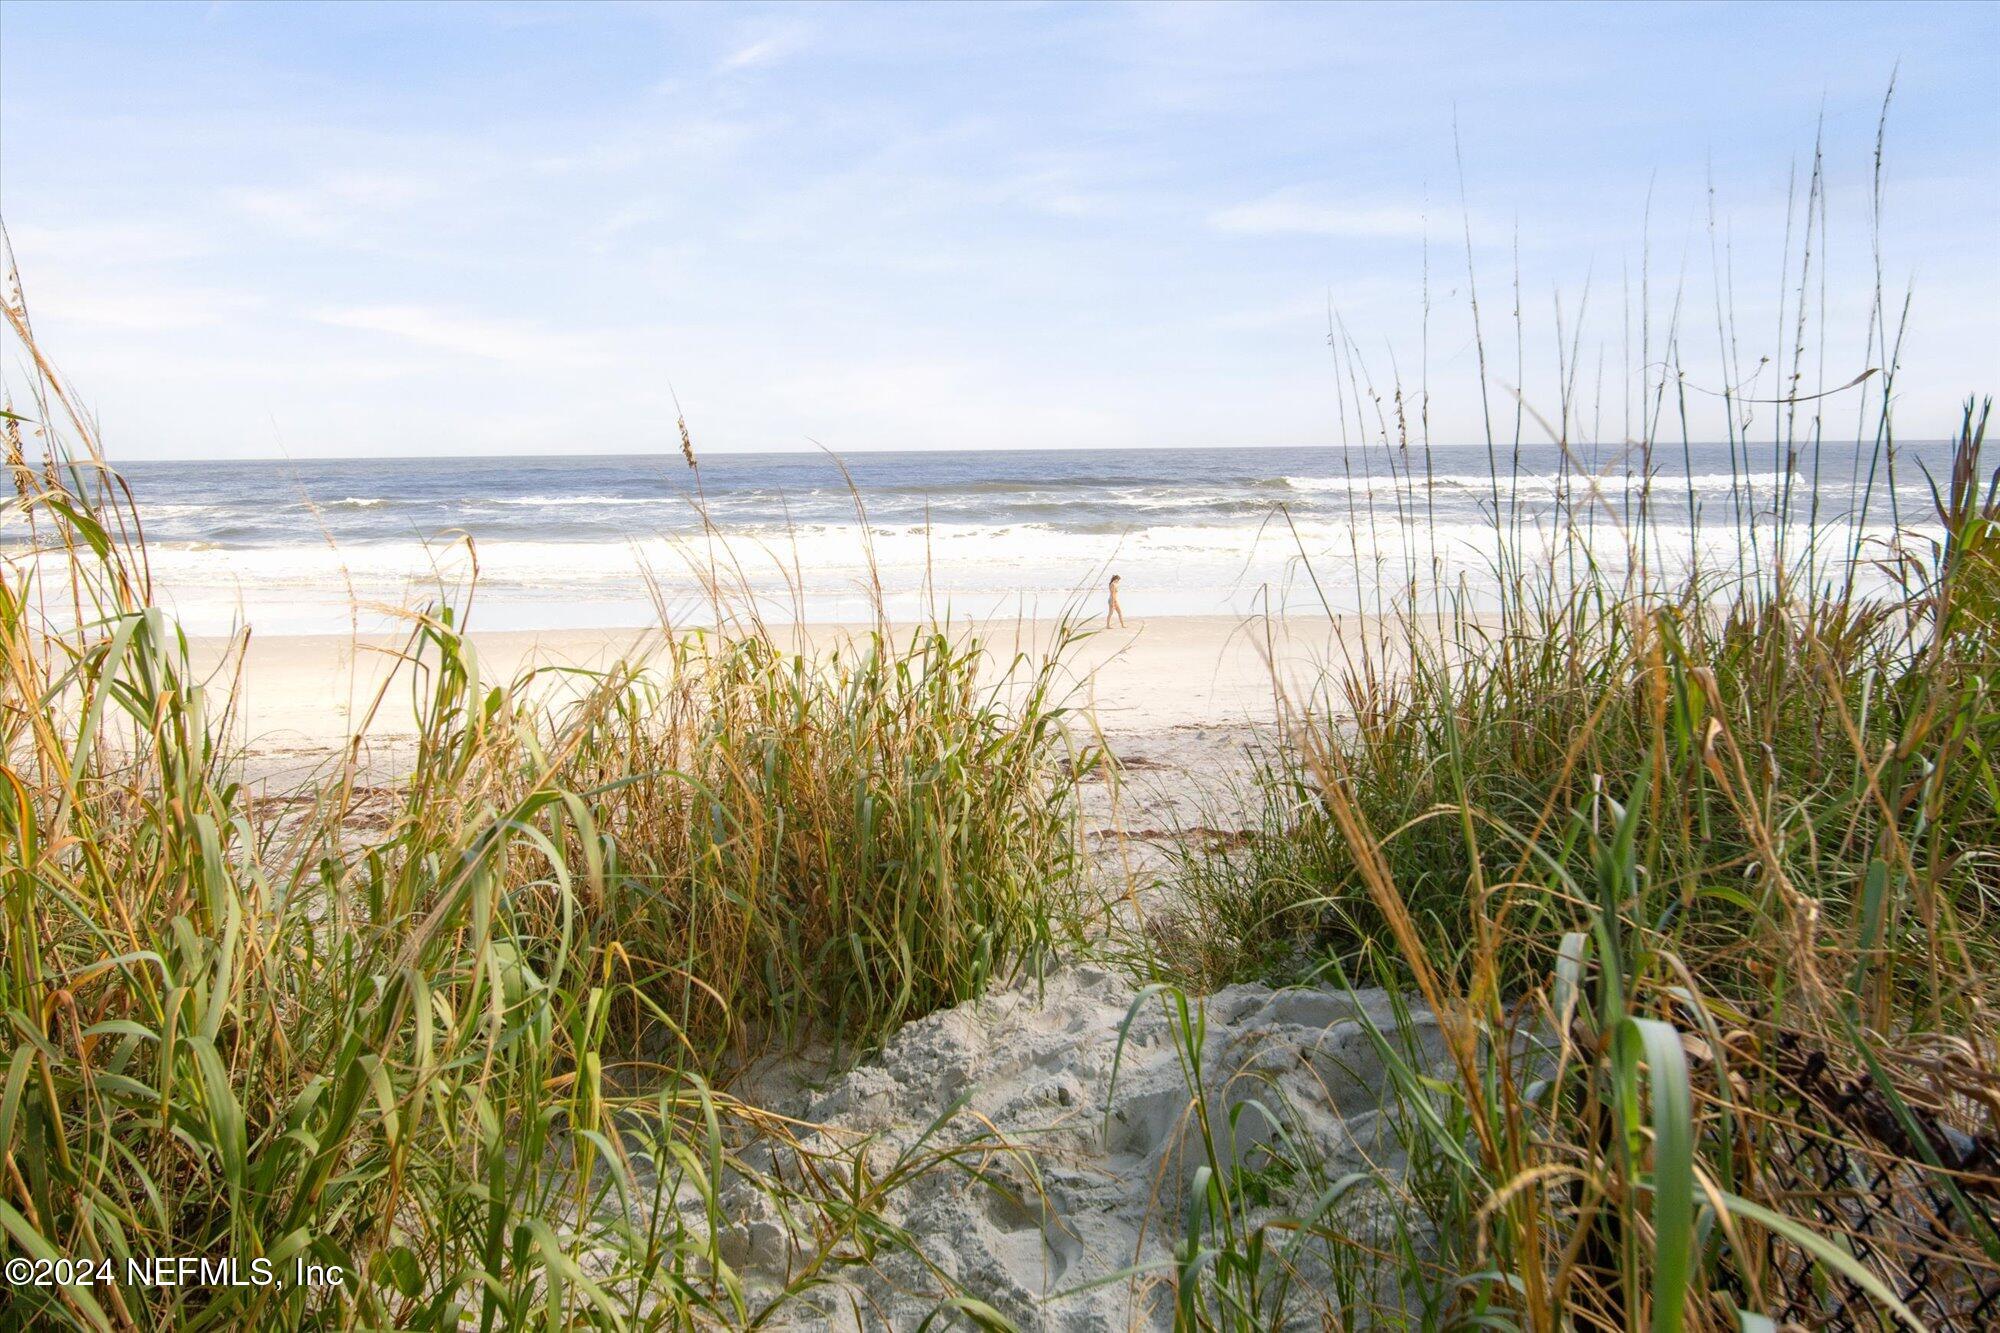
[1833,486]
[585,501]
[831,569]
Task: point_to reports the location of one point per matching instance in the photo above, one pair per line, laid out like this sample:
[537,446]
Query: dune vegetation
[1693,870]
[1703,883]
[452,1044]
[1693,858]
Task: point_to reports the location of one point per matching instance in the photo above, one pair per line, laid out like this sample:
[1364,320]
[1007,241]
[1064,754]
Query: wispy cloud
[1300,312]
[147,308]
[334,206]
[100,245]
[770,48]
[1297,212]
[516,342]
[855,399]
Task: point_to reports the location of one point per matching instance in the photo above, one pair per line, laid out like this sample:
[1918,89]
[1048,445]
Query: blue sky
[287,229]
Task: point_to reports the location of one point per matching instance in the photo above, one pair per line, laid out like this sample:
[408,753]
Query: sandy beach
[1161,684]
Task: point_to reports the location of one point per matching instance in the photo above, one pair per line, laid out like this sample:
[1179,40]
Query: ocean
[317,546]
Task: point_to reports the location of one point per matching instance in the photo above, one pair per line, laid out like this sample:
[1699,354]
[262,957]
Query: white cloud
[777,45]
[513,341]
[101,244]
[141,307]
[1301,213]
[698,136]
[867,402]
[332,207]
[1308,312]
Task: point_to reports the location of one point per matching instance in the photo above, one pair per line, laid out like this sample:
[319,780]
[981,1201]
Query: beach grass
[1691,857]
[1696,867]
[1692,866]
[464,1046]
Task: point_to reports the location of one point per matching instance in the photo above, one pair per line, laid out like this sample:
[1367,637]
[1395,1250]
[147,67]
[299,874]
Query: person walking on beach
[1113,609]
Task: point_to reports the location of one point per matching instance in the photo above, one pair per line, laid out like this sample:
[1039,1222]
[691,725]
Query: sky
[292,230]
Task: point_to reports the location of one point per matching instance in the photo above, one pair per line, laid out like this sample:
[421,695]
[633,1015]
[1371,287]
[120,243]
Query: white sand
[1095,1176]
